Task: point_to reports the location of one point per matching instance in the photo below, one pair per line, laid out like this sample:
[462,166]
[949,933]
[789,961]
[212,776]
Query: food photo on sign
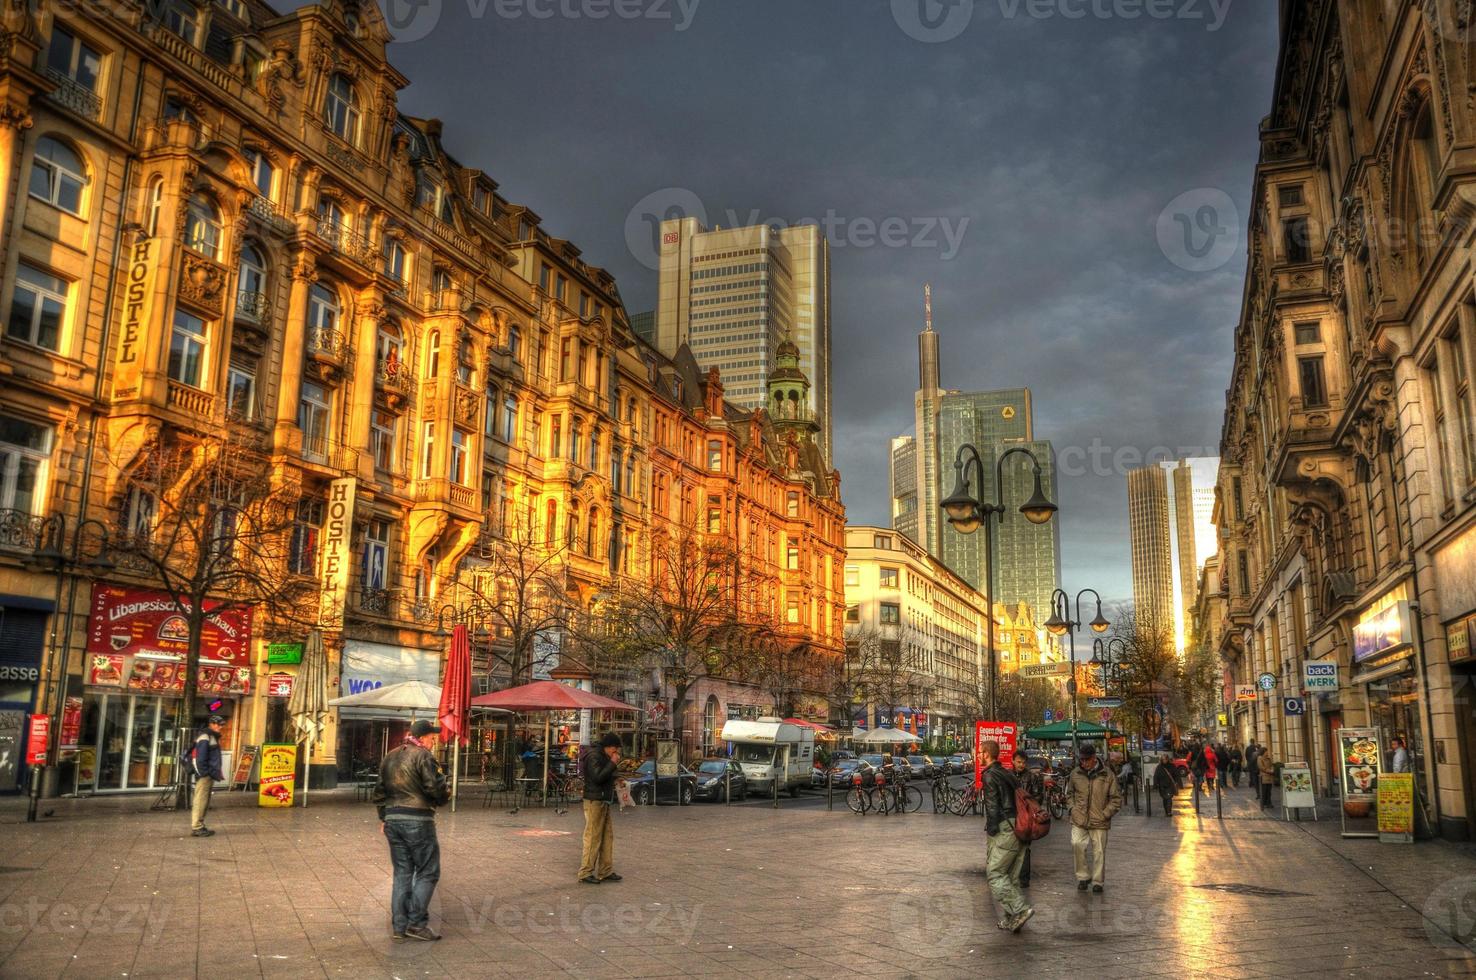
[137,639]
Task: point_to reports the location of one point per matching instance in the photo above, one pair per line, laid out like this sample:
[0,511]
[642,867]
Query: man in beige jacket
[1094,797]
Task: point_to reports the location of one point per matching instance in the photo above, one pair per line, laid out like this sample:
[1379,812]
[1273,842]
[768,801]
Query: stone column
[359,399]
[288,437]
[14,120]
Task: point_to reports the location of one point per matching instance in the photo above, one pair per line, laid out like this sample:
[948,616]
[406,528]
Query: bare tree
[211,523]
[881,670]
[516,583]
[1151,670]
[684,621]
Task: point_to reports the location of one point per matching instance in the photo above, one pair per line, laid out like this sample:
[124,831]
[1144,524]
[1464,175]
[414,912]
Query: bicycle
[943,793]
[967,800]
[1056,800]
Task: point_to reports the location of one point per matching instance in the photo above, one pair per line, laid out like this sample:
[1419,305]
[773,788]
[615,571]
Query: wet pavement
[106,888]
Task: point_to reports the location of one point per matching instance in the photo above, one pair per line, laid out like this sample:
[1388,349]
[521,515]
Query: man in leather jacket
[1006,853]
[598,764]
[410,787]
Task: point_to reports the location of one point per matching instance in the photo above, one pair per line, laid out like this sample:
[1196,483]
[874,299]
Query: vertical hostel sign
[138,308]
[336,556]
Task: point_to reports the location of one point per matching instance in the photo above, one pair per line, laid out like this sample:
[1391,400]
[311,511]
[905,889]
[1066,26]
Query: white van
[768,750]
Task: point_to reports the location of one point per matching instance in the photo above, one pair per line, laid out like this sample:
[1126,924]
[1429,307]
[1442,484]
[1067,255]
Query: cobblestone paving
[106,888]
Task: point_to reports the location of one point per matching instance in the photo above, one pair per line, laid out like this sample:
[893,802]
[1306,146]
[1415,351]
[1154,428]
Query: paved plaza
[106,888]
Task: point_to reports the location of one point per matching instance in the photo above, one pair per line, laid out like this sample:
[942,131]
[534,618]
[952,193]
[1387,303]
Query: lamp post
[1109,657]
[968,513]
[1061,622]
[63,554]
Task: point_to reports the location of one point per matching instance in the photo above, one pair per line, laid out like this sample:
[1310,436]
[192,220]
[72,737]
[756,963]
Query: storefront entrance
[128,743]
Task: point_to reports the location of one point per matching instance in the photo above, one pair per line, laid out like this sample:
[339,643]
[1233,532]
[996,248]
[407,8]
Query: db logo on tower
[671,238]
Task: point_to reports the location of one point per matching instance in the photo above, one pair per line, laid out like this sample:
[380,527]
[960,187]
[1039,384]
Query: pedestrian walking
[1399,755]
[599,764]
[1006,851]
[1034,785]
[1237,764]
[1165,784]
[1267,770]
[411,785]
[1211,767]
[1094,797]
[1198,765]
[1253,772]
[205,761]
[1222,763]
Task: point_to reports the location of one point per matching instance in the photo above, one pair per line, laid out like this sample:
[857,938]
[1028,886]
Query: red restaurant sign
[137,639]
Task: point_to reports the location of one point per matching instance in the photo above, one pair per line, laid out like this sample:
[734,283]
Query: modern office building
[734,295]
[643,325]
[1028,555]
[1170,522]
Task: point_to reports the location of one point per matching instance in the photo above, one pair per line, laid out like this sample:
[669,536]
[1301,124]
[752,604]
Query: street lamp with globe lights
[967,513]
[1061,623]
[1110,658]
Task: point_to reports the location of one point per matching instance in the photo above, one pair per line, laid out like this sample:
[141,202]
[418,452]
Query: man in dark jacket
[598,765]
[1166,785]
[1094,796]
[1237,763]
[1252,753]
[1198,764]
[1006,853]
[410,788]
[205,761]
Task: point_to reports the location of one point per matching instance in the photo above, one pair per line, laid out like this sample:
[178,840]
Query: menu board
[1358,762]
[278,774]
[1296,786]
[1396,807]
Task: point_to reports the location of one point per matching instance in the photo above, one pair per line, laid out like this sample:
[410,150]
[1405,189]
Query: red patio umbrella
[547,696]
[455,702]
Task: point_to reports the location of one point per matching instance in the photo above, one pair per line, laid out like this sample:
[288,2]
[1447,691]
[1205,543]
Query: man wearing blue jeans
[410,787]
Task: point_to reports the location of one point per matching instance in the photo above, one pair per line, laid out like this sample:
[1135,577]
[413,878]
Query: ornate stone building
[1347,510]
[216,224]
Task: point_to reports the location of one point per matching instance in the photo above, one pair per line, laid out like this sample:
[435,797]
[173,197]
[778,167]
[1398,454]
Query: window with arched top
[154,205]
[341,109]
[551,523]
[203,230]
[323,309]
[592,533]
[594,449]
[58,175]
[571,530]
[263,173]
[388,350]
[433,354]
[251,283]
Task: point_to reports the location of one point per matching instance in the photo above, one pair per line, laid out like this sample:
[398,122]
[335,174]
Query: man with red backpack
[1006,851]
[1032,785]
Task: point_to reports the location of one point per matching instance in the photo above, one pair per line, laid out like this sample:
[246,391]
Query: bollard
[1197,785]
[830,789]
[1149,800]
[728,786]
[1136,782]
[37,774]
[1219,799]
[776,792]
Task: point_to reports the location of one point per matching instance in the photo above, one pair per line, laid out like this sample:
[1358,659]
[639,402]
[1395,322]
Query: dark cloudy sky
[1053,143]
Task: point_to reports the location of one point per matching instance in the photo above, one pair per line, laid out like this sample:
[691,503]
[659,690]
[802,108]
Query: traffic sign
[1104,702]
[1294,706]
[1267,682]
[1050,715]
[1106,714]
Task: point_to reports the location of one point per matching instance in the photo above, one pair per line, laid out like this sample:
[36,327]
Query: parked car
[904,768]
[641,780]
[840,754]
[922,767]
[716,778]
[843,773]
[960,762]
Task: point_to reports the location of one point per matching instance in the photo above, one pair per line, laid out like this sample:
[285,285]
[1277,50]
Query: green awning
[1060,731]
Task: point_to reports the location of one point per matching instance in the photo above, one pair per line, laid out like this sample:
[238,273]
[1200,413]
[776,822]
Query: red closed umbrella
[455,701]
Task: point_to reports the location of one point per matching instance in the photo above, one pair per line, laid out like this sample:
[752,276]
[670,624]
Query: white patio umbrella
[411,696]
[887,736]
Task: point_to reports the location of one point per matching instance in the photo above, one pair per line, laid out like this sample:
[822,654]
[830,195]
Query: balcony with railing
[70,94]
[269,213]
[394,387]
[347,243]
[253,308]
[376,602]
[189,399]
[328,353]
[20,530]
